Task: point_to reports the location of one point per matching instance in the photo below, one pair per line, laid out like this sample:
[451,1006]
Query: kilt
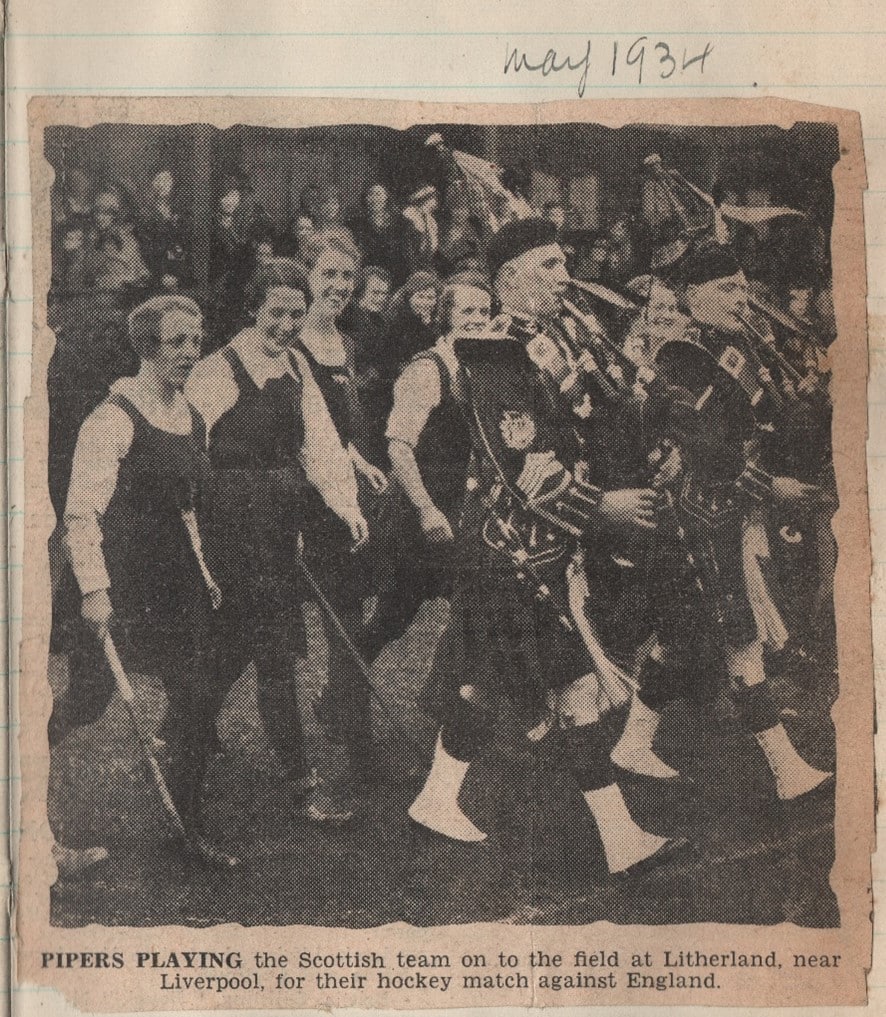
[504,639]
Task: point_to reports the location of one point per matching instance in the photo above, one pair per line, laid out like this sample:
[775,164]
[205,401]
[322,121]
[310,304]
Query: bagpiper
[518,633]
[728,419]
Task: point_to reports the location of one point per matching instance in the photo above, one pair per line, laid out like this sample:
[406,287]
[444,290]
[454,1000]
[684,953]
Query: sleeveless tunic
[327,538]
[444,448]
[443,453]
[157,591]
[255,502]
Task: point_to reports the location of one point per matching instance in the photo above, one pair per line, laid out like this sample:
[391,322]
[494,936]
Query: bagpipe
[798,384]
[671,199]
[669,196]
[609,685]
[612,369]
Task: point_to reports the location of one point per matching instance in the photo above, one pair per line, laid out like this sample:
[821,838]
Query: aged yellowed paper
[396,907]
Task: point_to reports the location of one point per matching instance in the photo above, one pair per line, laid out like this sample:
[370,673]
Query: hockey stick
[195,843]
[355,654]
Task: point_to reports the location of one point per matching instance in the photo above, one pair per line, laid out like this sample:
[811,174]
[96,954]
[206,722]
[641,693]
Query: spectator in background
[69,259]
[555,212]
[228,242]
[112,257]
[162,231]
[410,317]
[462,247]
[70,200]
[229,270]
[309,202]
[364,319]
[250,218]
[71,221]
[621,261]
[373,290]
[659,321]
[298,238]
[264,252]
[377,234]
[594,266]
[374,368]
[329,213]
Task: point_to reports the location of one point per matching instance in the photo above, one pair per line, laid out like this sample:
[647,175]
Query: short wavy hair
[336,238]
[276,272]
[143,322]
[446,303]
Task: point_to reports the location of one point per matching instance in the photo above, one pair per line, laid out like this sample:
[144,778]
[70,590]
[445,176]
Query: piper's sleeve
[104,440]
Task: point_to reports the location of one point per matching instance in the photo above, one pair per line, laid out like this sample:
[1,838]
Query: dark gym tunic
[156,588]
[327,538]
[257,498]
[161,621]
[442,453]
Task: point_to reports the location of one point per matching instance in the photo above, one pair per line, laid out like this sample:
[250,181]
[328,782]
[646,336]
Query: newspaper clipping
[447,556]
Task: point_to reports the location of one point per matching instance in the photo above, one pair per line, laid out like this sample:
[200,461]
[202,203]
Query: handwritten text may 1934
[643,55]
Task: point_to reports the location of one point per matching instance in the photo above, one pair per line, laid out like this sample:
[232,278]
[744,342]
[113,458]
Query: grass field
[751,859]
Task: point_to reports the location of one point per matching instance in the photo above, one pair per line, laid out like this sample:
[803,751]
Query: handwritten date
[642,56]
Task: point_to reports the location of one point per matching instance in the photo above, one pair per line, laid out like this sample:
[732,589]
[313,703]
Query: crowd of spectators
[115,243]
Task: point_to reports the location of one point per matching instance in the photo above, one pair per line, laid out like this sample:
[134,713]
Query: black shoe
[209,854]
[671,850]
[326,809]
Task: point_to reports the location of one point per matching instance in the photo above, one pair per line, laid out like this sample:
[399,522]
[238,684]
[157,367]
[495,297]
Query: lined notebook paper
[823,53]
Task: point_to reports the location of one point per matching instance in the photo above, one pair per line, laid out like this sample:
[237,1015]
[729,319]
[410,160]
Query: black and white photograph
[443,524]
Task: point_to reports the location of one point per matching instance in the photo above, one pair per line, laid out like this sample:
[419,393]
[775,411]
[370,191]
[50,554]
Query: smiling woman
[343,707]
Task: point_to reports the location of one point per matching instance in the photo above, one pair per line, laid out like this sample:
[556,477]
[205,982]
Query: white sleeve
[104,440]
[326,462]
[417,393]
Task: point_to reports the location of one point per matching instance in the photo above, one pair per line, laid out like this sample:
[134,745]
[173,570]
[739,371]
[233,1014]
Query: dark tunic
[382,248]
[257,490]
[164,245]
[444,448]
[443,455]
[327,538]
[157,591]
[375,369]
[408,335]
